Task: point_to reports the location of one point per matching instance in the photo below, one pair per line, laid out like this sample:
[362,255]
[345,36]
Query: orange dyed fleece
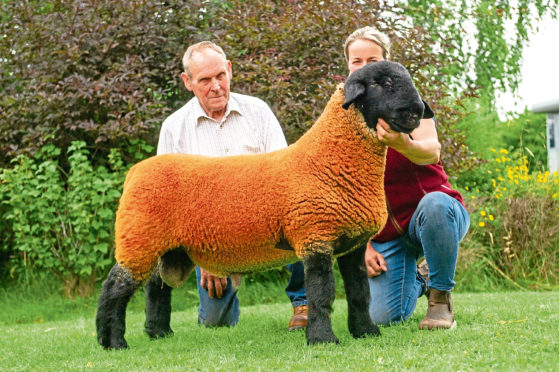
[235,214]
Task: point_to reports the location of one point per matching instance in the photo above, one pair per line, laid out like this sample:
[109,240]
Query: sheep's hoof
[115,343]
[322,339]
[154,334]
[333,340]
[369,330]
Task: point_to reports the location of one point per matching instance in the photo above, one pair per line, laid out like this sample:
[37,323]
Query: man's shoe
[299,319]
[440,312]
[423,270]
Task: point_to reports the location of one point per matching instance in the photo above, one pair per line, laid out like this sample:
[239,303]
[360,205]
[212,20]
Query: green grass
[42,302]
[496,331]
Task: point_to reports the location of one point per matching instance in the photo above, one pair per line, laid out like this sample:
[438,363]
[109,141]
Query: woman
[426,216]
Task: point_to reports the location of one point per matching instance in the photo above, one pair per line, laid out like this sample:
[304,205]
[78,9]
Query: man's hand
[213,284]
[374,261]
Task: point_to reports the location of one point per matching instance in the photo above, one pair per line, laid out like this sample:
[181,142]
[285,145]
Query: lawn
[496,331]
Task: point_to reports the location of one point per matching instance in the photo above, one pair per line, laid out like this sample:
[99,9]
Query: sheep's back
[231,205]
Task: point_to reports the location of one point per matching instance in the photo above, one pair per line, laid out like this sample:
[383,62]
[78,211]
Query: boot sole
[296,328]
[425,328]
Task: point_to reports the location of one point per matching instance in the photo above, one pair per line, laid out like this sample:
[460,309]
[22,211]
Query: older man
[217,122]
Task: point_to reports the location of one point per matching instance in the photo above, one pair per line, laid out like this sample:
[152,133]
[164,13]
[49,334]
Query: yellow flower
[482,213]
[467,188]
[491,217]
[503,151]
[481,224]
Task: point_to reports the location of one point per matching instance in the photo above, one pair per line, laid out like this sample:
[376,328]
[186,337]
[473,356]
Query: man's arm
[165,143]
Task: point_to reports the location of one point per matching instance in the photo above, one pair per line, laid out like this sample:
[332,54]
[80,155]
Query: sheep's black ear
[353,90]
[427,112]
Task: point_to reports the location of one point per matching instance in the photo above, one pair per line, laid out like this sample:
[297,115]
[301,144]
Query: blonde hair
[372,34]
[196,48]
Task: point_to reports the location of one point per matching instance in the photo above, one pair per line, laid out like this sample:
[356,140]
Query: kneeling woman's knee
[434,203]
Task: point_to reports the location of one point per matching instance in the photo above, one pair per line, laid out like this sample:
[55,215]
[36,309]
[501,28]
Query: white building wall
[551,108]
[553,141]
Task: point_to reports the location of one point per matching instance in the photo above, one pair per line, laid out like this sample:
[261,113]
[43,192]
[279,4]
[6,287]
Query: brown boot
[299,318]
[423,270]
[440,313]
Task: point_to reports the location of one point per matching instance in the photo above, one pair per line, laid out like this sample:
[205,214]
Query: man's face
[210,80]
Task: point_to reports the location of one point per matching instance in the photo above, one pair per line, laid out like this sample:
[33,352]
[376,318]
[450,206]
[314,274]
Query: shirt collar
[232,106]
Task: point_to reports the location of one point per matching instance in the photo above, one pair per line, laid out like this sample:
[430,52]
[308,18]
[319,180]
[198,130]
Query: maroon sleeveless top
[405,183]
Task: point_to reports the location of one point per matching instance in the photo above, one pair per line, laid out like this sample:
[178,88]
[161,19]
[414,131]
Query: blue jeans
[225,311]
[438,224]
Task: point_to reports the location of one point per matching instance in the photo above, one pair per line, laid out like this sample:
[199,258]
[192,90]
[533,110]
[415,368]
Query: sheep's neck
[343,163]
[341,142]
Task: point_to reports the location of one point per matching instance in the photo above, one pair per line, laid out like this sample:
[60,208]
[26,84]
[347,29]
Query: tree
[107,71]
[487,36]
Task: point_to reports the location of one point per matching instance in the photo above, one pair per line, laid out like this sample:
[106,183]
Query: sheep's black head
[385,90]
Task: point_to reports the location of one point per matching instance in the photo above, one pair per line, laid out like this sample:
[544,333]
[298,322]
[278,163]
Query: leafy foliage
[513,229]
[58,227]
[484,132]
[106,74]
[527,133]
[487,36]
[106,71]
[102,72]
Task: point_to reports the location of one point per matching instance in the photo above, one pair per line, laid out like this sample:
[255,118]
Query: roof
[547,106]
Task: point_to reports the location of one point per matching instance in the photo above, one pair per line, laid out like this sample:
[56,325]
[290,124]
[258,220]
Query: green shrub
[61,224]
[514,232]
[485,131]
[107,72]
[103,72]
[528,133]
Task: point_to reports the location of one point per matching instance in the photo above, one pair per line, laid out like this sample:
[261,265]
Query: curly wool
[244,213]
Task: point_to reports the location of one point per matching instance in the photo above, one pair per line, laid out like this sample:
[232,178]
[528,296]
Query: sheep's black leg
[173,270]
[111,311]
[319,283]
[177,266]
[353,270]
[158,307]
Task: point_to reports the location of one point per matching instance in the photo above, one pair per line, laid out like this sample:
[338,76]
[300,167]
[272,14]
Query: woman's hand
[421,146]
[374,261]
[397,140]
